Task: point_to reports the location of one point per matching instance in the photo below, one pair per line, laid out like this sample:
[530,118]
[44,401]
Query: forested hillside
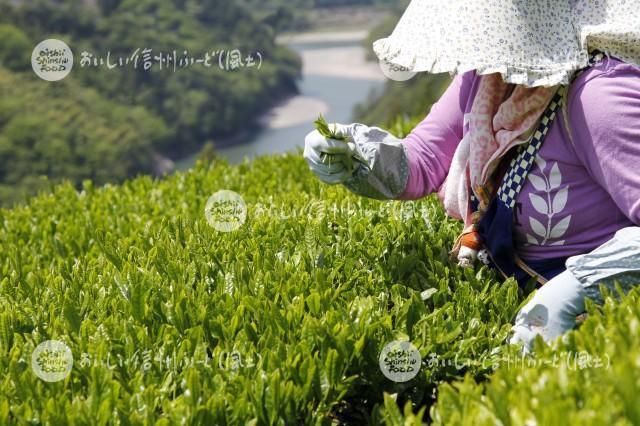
[409,100]
[170,112]
[69,131]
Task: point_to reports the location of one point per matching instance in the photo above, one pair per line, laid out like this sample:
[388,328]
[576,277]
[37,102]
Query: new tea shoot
[324,129]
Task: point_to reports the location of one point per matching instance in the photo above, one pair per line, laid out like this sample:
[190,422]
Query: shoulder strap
[520,166]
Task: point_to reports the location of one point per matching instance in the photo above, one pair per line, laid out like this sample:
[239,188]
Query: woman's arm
[394,168]
[604,112]
[431,145]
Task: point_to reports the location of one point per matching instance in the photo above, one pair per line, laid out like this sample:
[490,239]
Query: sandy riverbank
[336,62]
[347,61]
[323,37]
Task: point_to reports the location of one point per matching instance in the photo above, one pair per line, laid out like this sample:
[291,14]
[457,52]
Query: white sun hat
[529,42]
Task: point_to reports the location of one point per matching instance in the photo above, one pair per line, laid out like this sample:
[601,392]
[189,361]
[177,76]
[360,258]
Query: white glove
[372,162]
[330,159]
[551,312]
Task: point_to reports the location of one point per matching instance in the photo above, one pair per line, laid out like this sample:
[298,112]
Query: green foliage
[412,98]
[157,306]
[591,377]
[197,103]
[106,124]
[123,270]
[306,294]
[65,131]
[309,4]
[15,48]
[333,3]
[305,15]
[208,152]
[323,128]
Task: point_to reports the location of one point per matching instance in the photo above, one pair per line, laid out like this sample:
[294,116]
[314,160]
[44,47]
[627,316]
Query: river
[335,77]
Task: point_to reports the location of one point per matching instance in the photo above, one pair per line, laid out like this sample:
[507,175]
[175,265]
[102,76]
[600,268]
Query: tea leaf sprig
[323,128]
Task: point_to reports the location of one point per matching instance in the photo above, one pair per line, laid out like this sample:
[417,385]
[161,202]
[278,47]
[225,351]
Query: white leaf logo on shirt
[555,177]
[541,162]
[537,182]
[531,240]
[539,203]
[560,200]
[538,227]
[549,201]
[560,228]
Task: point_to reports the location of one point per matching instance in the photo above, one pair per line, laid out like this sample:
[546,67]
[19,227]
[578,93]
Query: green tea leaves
[281,321]
[331,133]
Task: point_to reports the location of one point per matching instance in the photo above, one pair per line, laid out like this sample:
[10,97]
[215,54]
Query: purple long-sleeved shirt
[576,197]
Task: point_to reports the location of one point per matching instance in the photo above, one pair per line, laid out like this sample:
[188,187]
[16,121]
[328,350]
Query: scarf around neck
[502,116]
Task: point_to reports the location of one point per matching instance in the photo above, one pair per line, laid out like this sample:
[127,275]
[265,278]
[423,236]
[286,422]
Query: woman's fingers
[315,141]
[551,312]
[327,158]
[328,163]
[332,175]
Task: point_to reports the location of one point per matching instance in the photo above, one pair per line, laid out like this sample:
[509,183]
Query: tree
[15,48]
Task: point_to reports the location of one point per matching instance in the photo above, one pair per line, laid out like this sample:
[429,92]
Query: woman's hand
[551,312]
[371,161]
[330,159]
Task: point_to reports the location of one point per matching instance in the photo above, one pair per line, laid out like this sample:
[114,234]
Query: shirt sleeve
[431,144]
[604,114]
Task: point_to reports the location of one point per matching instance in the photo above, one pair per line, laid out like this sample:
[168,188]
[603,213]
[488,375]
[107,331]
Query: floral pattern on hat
[529,42]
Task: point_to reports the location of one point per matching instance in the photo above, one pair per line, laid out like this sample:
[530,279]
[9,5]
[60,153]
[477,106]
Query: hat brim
[527,43]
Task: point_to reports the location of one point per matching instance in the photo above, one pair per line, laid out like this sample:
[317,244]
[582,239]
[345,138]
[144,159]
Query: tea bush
[592,377]
[279,322]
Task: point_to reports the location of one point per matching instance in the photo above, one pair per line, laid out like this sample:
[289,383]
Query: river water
[335,77]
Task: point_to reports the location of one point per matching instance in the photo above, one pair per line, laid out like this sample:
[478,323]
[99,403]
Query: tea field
[282,321]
